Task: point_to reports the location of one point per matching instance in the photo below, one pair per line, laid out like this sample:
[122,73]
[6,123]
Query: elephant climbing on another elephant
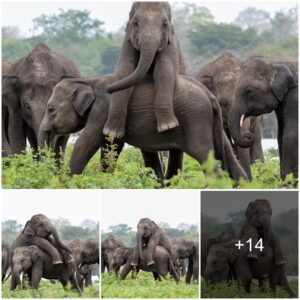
[37,264]
[225,258]
[220,77]
[6,254]
[264,86]
[197,110]
[150,46]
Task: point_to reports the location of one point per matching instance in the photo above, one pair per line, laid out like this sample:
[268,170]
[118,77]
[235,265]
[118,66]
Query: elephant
[264,86]
[6,253]
[181,267]
[197,110]
[184,249]
[30,82]
[108,247]
[151,47]
[162,264]
[83,271]
[225,258]
[90,252]
[220,77]
[39,231]
[37,264]
[258,226]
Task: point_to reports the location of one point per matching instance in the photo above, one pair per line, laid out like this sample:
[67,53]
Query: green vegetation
[25,171]
[225,290]
[145,287]
[49,290]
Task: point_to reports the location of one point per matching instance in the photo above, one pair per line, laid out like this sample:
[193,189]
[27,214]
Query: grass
[49,290]
[224,290]
[24,172]
[145,287]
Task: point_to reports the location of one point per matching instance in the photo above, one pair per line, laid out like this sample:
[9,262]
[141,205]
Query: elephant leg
[149,251]
[175,163]
[105,162]
[151,160]
[277,250]
[189,272]
[135,257]
[88,279]
[195,268]
[102,266]
[5,142]
[256,151]
[289,156]
[126,269]
[283,282]
[156,276]
[263,285]
[59,146]
[243,273]
[244,159]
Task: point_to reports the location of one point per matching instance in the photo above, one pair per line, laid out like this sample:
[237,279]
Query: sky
[129,206]
[219,204]
[115,13]
[74,205]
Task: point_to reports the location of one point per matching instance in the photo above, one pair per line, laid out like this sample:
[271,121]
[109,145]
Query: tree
[120,229]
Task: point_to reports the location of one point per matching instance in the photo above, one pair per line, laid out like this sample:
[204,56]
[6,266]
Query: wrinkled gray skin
[6,149]
[197,110]
[39,231]
[267,85]
[83,272]
[258,225]
[37,265]
[225,258]
[6,253]
[220,77]
[148,237]
[30,84]
[150,46]
[162,264]
[183,249]
[108,247]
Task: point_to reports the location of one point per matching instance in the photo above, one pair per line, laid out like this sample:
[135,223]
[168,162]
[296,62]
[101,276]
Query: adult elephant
[83,272]
[30,83]
[108,247]
[225,258]
[39,231]
[220,76]
[267,85]
[6,253]
[37,264]
[196,108]
[184,249]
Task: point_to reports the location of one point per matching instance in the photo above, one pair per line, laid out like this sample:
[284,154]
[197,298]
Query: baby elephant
[37,264]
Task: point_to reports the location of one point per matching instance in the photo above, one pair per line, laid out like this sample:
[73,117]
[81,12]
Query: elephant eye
[165,23]
[50,109]
[249,90]
[135,23]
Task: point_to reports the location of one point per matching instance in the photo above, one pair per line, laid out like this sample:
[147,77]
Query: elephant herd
[223,261]
[151,103]
[154,252]
[39,253]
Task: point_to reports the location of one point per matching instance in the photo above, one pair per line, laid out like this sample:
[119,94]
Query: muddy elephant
[39,231]
[30,83]
[108,247]
[184,249]
[220,76]
[37,264]
[225,258]
[83,271]
[6,253]
[161,266]
[265,86]
[258,226]
[150,46]
[197,110]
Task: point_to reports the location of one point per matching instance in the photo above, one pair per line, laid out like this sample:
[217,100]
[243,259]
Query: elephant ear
[83,97]
[232,255]
[154,227]
[29,229]
[282,81]
[35,255]
[208,81]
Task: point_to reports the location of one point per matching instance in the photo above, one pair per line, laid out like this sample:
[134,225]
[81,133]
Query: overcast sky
[129,206]
[74,205]
[115,13]
[219,204]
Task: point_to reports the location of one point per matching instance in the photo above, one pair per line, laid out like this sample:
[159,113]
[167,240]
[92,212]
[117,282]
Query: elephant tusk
[242,120]
[232,141]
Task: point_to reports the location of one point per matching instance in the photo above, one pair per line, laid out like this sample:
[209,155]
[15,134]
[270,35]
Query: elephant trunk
[16,271]
[266,223]
[148,51]
[58,241]
[236,119]
[140,244]
[44,135]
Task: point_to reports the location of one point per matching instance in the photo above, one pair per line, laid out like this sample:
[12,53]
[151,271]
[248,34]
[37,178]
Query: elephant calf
[198,112]
[37,264]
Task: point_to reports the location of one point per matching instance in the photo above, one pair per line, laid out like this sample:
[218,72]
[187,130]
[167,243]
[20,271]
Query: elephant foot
[115,126]
[252,256]
[57,262]
[166,121]
[150,263]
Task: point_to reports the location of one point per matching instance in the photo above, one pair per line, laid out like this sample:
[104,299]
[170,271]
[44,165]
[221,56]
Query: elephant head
[69,102]
[145,229]
[120,257]
[259,214]
[261,87]
[90,252]
[149,30]
[39,225]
